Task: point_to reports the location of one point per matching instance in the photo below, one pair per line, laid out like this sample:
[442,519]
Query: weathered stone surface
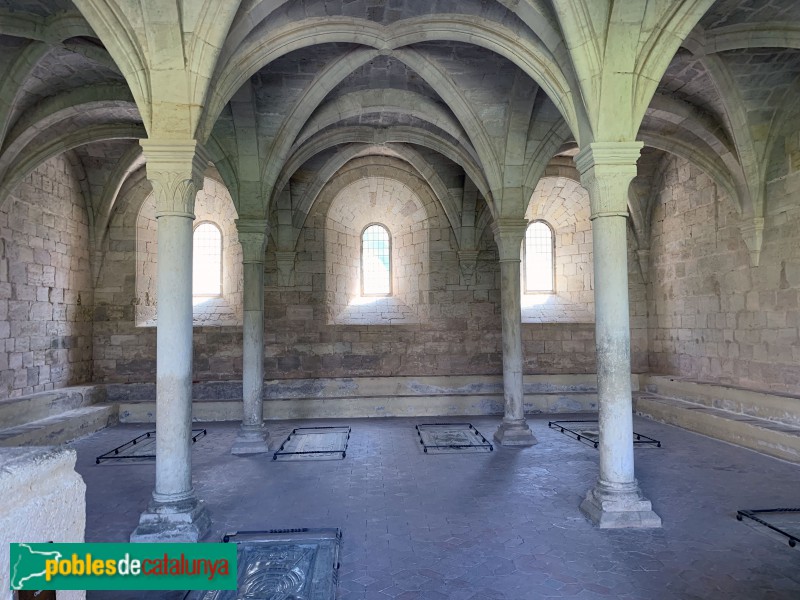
[50,307]
[57,515]
[714,317]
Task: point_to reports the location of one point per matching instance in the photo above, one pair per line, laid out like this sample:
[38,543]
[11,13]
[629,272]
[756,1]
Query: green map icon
[28,566]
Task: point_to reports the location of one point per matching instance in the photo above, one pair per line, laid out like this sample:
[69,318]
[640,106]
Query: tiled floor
[502,525]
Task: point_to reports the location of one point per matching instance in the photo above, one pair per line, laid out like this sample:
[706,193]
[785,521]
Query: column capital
[253,235]
[607,169]
[508,234]
[175,169]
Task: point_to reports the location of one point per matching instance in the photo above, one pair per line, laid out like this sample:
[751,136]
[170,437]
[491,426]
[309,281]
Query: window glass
[207,261]
[376,273]
[539,258]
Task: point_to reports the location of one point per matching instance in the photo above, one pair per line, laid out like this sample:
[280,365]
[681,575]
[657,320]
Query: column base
[618,507]
[251,440]
[514,433]
[182,521]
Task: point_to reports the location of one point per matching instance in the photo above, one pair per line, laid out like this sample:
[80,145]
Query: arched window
[207,262]
[376,263]
[539,258]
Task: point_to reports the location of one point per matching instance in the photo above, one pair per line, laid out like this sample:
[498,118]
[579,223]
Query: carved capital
[285,262]
[253,234]
[753,235]
[468,263]
[643,255]
[508,234]
[175,169]
[607,169]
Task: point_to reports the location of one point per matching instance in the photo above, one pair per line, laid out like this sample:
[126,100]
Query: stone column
[606,171]
[514,430]
[253,436]
[175,169]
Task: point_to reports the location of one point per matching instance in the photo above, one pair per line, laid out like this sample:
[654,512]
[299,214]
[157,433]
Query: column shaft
[174,360]
[510,308]
[612,334]
[175,169]
[252,437]
[514,430]
[253,334]
[616,501]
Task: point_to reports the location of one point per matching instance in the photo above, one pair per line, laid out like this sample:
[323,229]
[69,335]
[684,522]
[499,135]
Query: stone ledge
[61,428]
[768,437]
[772,406]
[24,409]
[370,397]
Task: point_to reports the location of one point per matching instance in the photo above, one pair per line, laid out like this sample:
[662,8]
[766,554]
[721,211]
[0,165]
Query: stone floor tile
[500,525]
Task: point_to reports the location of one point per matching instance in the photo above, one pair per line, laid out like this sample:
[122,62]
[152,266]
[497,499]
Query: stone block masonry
[454,328]
[56,330]
[714,317]
[46,296]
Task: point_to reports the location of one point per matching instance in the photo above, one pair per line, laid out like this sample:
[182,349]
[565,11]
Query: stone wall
[461,334]
[125,352]
[564,205]
[213,204]
[457,331]
[713,316]
[45,284]
[363,196]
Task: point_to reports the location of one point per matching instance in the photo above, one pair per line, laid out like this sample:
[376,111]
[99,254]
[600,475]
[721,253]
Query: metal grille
[588,432]
[282,564]
[141,448]
[376,270]
[538,258]
[320,443]
[784,521]
[207,261]
[442,438]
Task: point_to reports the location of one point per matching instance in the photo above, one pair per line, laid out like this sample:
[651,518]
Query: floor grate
[141,448]
[282,564]
[314,443]
[784,521]
[448,438]
[588,432]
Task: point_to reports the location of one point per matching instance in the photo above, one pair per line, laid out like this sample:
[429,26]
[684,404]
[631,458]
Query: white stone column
[514,430]
[253,436]
[175,169]
[606,171]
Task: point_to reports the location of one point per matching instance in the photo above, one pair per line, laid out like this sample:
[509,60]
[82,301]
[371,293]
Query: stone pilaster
[606,172]
[175,169]
[253,436]
[514,430]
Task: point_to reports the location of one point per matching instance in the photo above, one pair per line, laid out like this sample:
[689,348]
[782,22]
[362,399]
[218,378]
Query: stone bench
[357,397]
[762,421]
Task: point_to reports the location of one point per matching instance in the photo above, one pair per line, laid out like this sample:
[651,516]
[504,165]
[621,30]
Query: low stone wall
[43,500]
[24,409]
[778,407]
[357,397]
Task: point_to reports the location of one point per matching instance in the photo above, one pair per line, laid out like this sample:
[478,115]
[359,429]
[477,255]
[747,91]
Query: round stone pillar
[175,169]
[253,436]
[514,430]
[606,172]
